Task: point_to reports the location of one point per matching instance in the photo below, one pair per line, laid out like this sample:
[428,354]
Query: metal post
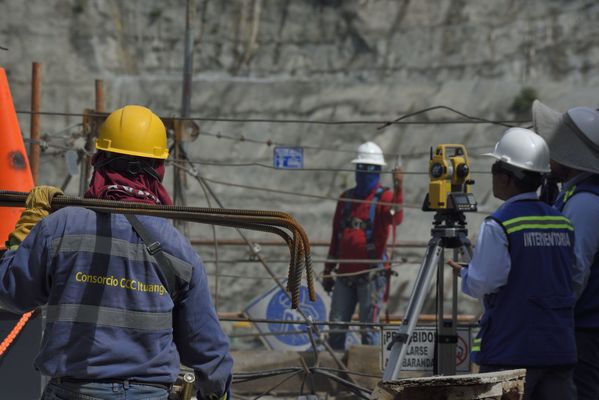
[179,175]
[177,181]
[188,59]
[34,146]
[89,141]
[454,291]
[446,329]
[185,103]
[99,95]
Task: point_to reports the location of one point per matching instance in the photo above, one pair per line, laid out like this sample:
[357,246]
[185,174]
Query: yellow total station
[449,172]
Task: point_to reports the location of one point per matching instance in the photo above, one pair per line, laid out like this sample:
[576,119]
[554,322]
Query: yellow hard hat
[135,131]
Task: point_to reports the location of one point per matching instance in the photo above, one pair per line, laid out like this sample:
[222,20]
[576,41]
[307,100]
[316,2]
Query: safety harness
[154,248]
[347,221]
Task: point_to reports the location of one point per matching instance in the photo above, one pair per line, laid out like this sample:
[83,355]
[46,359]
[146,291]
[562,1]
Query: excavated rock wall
[304,60]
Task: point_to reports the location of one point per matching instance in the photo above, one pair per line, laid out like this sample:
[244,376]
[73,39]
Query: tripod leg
[445,342]
[447,329]
[417,297]
[454,294]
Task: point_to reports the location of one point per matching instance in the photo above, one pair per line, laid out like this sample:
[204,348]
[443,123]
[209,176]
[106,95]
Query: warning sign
[275,304]
[292,335]
[421,349]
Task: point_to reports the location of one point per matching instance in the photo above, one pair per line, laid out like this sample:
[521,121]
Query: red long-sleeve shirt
[351,244]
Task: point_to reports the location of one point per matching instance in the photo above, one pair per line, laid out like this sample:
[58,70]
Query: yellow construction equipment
[449,186]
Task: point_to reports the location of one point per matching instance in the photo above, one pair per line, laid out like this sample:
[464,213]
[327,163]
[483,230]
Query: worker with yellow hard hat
[127,297]
[135,131]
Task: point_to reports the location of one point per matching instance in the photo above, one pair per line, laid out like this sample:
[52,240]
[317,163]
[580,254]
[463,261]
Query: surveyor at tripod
[360,232]
[522,270]
[127,298]
[573,139]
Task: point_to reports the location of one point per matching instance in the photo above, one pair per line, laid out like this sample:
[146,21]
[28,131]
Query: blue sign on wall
[288,157]
[275,305]
[279,308]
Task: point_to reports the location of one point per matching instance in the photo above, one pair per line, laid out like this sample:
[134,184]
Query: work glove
[328,282]
[37,207]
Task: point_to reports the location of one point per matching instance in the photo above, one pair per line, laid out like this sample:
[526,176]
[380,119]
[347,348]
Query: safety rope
[15,332]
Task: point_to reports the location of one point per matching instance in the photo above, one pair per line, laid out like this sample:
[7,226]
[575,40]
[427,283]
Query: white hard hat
[524,149]
[369,153]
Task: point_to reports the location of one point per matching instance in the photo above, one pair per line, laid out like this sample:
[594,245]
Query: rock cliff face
[305,60]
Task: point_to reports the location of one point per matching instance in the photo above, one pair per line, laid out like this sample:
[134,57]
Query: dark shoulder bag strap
[155,250]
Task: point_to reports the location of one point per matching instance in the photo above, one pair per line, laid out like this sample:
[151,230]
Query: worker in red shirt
[360,232]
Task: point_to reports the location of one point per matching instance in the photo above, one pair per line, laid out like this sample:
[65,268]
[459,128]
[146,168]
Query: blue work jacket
[110,311]
[529,322]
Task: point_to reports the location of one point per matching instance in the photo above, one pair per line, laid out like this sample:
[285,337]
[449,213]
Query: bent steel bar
[265,221]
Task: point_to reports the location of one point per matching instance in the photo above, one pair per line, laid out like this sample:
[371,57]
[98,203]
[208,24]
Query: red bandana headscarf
[108,184]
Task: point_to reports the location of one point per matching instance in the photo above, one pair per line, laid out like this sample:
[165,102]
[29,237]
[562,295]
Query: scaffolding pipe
[99,96]
[84,156]
[34,146]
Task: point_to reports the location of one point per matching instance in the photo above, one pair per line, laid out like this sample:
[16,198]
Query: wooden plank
[506,385]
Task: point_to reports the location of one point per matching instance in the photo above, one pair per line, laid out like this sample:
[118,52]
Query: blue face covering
[367,177]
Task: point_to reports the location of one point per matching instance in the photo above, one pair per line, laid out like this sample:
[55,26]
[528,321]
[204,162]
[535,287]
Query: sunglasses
[368,167]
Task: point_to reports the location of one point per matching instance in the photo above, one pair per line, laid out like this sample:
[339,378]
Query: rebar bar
[264,221]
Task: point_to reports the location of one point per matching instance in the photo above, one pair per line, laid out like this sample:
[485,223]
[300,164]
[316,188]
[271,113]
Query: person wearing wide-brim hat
[573,139]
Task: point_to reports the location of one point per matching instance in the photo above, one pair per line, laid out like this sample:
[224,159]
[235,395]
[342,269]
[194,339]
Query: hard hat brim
[517,165]
[358,161]
[565,146]
[493,155]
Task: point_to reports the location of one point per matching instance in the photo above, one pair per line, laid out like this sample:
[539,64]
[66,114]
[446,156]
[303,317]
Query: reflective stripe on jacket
[530,320]
[109,309]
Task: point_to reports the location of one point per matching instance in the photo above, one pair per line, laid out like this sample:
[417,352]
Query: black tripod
[449,231]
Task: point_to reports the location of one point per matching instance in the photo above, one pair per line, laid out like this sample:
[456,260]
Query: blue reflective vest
[586,313]
[110,314]
[530,320]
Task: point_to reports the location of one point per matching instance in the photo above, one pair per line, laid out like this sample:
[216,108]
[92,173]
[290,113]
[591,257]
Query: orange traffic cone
[15,173]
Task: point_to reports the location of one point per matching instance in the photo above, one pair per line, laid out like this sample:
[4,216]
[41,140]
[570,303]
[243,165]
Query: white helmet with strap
[369,153]
[523,149]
